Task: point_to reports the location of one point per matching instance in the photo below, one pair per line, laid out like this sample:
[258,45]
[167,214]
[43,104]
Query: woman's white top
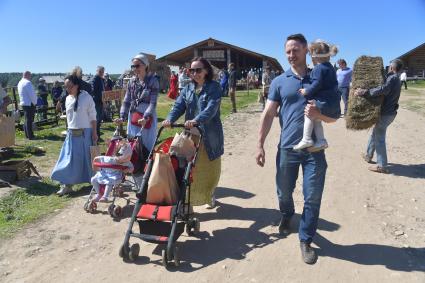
[86,111]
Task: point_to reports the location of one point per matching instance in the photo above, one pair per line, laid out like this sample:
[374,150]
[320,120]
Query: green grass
[26,205]
[415,84]
[413,99]
[23,206]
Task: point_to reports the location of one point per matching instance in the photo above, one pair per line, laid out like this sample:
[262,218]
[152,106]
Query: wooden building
[414,61]
[220,54]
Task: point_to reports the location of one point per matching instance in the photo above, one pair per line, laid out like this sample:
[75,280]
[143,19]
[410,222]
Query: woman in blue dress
[74,162]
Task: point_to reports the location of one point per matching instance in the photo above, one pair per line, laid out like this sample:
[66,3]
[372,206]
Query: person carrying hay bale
[390,91]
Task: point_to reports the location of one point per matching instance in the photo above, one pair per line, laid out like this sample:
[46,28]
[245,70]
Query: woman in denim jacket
[200,102]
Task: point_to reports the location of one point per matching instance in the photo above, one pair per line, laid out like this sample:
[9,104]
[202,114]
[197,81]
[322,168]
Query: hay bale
[363,111]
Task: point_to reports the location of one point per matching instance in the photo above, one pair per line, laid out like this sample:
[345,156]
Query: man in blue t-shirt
[284,94]
[344,75]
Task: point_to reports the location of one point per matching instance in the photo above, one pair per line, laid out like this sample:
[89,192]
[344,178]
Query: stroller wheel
[117,211]
[189,228]
[164,258]
[134,252]
[111,210]
[124,251]
[176,257]
[92,206]
[193,226]
[197,225]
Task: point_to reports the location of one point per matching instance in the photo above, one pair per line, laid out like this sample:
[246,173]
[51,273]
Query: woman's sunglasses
[195,70]
[135,66]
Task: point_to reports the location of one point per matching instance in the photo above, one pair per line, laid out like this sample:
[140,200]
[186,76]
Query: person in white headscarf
[139,104]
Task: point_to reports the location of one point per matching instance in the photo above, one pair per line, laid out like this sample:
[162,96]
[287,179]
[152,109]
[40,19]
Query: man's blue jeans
[314,167]
[377,140]
[344,96]
[99,117]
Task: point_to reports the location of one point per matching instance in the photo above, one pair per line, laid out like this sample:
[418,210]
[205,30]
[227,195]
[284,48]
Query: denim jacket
[205,109]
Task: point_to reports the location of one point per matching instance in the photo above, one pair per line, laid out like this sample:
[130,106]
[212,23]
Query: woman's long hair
[207,66]
[75,80]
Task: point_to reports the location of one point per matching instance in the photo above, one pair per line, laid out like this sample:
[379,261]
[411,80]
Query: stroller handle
[179,126]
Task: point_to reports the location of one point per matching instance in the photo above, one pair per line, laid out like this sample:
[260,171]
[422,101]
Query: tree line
[12,79]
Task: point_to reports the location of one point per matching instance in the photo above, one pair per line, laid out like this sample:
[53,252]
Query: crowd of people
[227,78]
[303,98]
[36,99]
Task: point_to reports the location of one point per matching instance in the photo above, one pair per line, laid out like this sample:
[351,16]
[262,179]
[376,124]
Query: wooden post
[247,84]
[14,98]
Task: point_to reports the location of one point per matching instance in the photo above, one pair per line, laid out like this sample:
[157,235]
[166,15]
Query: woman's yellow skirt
[206,175]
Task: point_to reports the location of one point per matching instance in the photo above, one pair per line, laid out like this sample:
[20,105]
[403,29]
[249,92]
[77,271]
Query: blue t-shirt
[284,90]
[344,77]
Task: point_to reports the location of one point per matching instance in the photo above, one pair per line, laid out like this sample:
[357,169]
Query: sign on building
[112,95]
[214,55]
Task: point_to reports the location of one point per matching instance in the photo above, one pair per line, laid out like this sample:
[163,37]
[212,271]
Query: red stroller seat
[163,224]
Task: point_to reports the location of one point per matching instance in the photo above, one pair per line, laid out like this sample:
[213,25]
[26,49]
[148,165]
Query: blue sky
[54,36]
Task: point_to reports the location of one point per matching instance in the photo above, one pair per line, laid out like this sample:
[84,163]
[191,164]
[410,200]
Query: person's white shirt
[26,93]
[403,77]
[85,114]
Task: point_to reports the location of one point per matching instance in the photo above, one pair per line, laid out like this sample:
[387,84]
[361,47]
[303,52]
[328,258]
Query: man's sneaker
[308,254]
[366,158]
[378,169]
[303,144]
[318,146]
[65,189]
[284,224]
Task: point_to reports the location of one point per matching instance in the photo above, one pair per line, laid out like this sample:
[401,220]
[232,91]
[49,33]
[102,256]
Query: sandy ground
[371,228]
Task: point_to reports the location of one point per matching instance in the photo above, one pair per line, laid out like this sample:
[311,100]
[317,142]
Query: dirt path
[372,226]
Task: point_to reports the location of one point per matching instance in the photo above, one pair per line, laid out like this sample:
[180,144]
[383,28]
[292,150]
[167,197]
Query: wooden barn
[414,62]
[220,54]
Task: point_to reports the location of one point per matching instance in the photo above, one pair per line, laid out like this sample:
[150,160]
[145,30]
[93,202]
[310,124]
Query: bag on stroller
[162,219]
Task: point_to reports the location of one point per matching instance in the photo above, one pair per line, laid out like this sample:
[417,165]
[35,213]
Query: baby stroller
[139,153]
[163,224]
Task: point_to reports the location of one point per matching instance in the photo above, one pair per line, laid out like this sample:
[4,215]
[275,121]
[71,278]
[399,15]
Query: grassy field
[413,98]
[36,200]
[416,84]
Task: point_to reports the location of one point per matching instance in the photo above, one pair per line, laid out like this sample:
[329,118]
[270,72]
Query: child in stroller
[112,176]
[121,157]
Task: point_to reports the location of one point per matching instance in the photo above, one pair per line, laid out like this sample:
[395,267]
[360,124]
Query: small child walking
[323,91]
